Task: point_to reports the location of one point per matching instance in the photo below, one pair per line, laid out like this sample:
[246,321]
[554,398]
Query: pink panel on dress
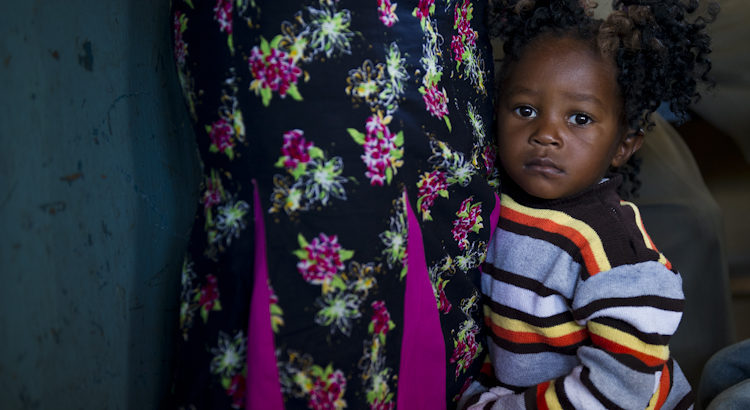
[421,379]
[494,217]
[263,388]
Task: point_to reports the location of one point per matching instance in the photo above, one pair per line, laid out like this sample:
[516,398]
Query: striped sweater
[579,306]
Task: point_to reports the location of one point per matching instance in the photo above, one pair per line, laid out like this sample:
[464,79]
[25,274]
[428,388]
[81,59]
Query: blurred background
[719,138]
[99,182]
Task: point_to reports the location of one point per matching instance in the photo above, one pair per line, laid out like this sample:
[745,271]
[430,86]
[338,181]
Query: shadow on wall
[166,181]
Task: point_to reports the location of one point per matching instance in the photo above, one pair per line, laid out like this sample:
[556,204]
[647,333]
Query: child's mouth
[543,165]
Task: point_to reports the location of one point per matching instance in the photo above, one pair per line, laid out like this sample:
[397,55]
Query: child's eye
[525,111]
[580,119]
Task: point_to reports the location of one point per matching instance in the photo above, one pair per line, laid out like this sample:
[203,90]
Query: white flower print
[231,220]
[329,30]
[338,310]
[452,162]
[472,257]
[311,177]
[229,354]
[395,238]
[324,180]
[394,87]
[477,124]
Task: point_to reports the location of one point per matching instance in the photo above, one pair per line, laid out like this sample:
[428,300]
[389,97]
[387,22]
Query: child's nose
[546,133]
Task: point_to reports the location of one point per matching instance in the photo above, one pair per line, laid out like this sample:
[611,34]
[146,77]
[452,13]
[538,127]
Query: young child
[579,304]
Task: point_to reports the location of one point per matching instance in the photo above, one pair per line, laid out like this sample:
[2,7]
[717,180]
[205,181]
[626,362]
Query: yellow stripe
[564,219]
[646,240]
[628,340]
[654,398]
[520,326]
[550,397]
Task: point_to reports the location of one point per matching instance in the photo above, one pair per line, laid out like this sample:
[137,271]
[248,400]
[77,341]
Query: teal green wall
[98,185]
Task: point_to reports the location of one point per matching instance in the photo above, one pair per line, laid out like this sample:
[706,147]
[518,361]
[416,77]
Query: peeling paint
[87,59]
[72,177]
[105,230]
[9,195]
[53,208]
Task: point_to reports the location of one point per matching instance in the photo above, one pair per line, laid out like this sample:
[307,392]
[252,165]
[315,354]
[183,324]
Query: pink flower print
[444,305]
[180,47]
[323,259]
[430,186]
[223,15]
[208,297]
[380,404]
[296,150]
[236,390]
[423,9]
[465,387]
[458,48]
[221,134]
[467,33]
[387,12]
[461,23]
[469,219]
[374,125]
[274,71]
[436,101]
[212,196]
[466,350]
[382,154]
[209,292]
[466,38]
[377,156]
[381,319]
[326,393]
[489,156]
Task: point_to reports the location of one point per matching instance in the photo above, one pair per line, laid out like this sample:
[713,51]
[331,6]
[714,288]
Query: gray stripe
[531,368]
[535,259]
[625,387]
[645,278]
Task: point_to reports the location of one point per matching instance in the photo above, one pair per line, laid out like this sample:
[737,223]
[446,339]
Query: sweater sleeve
[630,313]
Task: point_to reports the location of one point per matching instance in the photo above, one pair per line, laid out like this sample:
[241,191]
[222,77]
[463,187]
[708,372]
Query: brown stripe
[659,302]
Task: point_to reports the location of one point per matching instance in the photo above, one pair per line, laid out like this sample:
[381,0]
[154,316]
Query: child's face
[559,126]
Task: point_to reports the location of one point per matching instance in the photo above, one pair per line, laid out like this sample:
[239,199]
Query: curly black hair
[660,48]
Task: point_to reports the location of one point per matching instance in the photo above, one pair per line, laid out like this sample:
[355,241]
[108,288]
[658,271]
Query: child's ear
[629,144]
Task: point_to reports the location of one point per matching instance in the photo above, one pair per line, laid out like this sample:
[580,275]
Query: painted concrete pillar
[98,185]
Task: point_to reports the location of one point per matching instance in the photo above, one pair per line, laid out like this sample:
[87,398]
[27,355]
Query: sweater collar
[605,189]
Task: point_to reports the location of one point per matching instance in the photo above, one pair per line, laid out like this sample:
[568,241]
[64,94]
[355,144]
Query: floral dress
[346,203]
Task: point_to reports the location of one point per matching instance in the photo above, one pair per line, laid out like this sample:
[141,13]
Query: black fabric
[357,220]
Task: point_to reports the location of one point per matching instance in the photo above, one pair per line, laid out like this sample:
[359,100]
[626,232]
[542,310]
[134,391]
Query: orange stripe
[530,337]
[550,226]
[614,347]
[487,369]
[649,242]
[663,387]
[541,403]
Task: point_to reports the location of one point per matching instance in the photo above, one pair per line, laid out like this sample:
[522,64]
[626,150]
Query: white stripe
[580,397]
[646,319]
[522,299]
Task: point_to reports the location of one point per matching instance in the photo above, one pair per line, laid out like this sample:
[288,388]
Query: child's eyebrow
[516,90]
[585,97]
[581,97]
